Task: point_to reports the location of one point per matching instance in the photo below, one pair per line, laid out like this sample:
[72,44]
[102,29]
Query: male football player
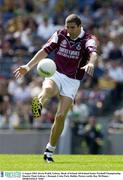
[75,54]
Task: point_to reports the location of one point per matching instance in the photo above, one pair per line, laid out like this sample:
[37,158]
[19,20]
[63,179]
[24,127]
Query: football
[46,67]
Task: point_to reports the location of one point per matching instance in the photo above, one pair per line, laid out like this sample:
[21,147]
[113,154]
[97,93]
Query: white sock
[50,148]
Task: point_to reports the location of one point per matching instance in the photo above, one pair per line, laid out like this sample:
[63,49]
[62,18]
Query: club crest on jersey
[64,43]
[78,47]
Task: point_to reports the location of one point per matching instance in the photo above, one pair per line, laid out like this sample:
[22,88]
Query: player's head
[73,25]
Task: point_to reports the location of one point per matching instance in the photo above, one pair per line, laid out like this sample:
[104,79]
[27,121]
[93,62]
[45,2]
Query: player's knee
[48,90]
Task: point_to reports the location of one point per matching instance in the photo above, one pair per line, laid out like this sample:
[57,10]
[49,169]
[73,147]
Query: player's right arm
[22,70]
[41,54]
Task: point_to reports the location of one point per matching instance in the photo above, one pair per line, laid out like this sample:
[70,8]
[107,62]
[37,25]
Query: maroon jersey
[71,55]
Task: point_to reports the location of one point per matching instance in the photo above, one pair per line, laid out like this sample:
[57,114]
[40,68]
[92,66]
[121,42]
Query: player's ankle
[50,147]
[40,105]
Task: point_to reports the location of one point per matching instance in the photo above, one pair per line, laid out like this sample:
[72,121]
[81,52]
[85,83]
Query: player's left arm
[91,46]
[89,67]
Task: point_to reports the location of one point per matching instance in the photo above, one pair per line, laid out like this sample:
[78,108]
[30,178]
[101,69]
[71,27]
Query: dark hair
[73,18]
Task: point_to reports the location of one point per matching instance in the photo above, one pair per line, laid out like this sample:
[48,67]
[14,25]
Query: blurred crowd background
[25,25]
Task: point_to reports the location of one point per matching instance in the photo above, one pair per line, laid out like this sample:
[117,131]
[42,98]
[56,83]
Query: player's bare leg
[49,89]
[58,125]
[63,108]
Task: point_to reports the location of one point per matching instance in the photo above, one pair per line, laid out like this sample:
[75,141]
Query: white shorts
[67,86]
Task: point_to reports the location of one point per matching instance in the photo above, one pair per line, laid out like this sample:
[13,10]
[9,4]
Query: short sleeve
[51,43]
[91,45]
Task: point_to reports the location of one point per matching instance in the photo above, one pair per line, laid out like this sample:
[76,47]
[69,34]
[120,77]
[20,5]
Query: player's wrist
[27,67]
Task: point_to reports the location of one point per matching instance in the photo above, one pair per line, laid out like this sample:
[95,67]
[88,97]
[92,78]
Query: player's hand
[89,68]
[21,71]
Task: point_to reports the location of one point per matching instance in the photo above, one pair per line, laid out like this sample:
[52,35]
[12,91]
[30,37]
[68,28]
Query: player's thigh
[51,87]
[64,106]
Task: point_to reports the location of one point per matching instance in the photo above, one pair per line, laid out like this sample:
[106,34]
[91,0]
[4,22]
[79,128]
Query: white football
[46,67]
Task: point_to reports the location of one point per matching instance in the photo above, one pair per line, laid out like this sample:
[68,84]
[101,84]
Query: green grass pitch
[62,163]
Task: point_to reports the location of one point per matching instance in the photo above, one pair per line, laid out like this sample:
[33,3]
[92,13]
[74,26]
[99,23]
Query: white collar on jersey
[80,35]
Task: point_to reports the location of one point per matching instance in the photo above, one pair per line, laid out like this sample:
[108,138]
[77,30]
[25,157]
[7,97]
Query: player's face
[73,29]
